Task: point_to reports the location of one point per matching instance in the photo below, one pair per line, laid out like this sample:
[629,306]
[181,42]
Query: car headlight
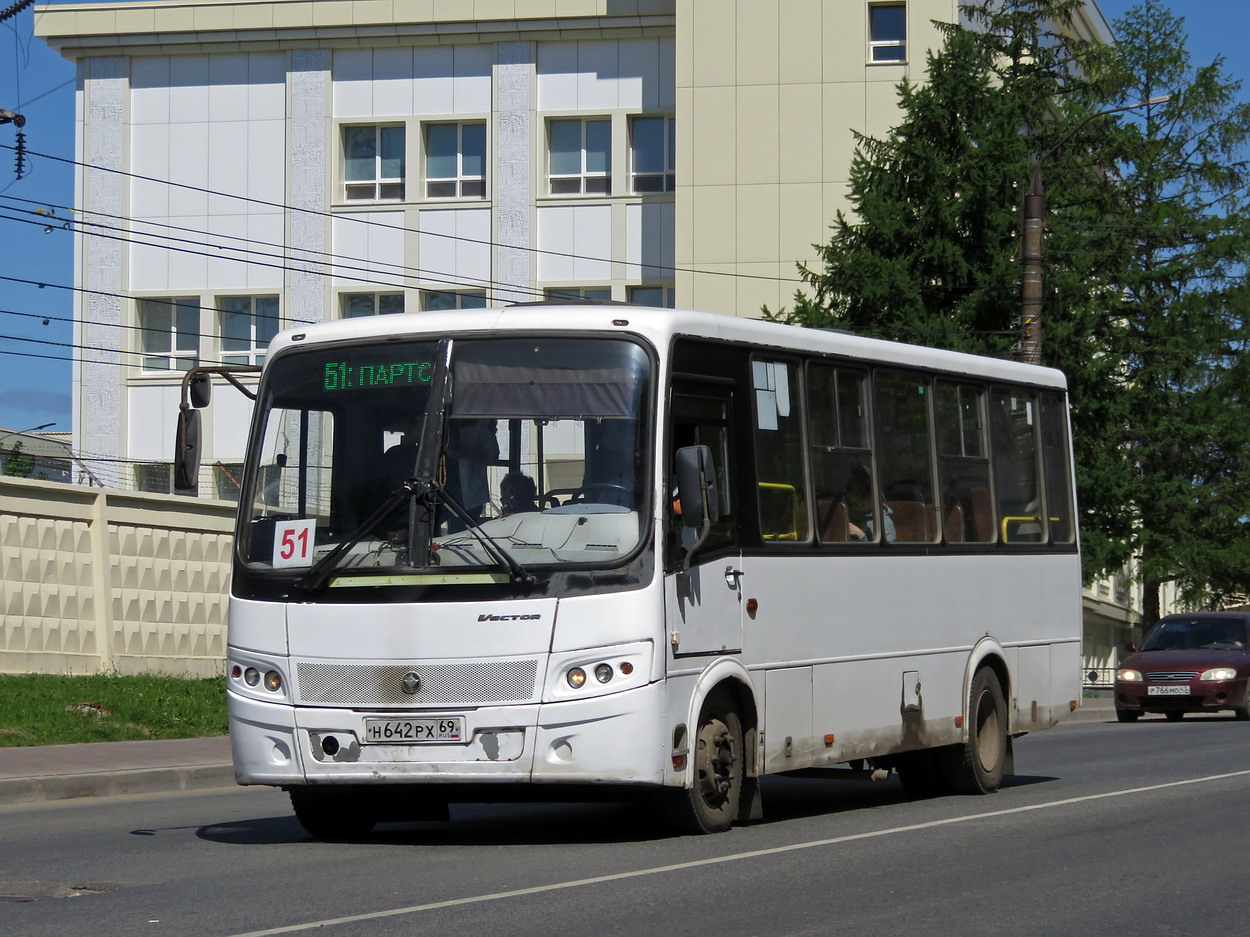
[1219,673]
[1128,676]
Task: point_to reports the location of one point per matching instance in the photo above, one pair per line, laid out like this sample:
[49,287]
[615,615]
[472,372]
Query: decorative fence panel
[93,579]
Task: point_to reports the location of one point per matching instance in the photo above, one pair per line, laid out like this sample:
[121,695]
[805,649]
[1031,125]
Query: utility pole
[1032,255]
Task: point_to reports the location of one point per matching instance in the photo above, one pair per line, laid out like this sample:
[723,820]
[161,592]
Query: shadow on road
[626,821]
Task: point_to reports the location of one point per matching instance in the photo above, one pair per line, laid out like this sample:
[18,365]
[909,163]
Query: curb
[110,783]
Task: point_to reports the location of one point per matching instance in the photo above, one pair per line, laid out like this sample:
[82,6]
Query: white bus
[564,551]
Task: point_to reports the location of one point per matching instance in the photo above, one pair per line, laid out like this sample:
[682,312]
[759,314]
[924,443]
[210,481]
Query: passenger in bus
[862,522]
[471,446]
[517,494]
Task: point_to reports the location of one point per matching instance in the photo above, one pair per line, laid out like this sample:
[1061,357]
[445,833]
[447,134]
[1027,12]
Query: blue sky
[39,84]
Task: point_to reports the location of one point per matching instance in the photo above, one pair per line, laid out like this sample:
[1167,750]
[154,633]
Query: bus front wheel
[328,814]
[976,766]
[711,803]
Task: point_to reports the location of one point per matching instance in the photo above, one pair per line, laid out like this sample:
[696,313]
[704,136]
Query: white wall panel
[266,162]
[649,240]
[432,84]
[471,91]
[374,248]
[585,230]
[267,86]
[392,82]
[149,89]
[149,149]
[263,231]
[229,153]
[188,270]
[188,88]
[557,76]
[232,418]
[228,234]
[353,82]
[597,75]
[151,413]
[149,266]
[451,247]
[188,165]
[227,87]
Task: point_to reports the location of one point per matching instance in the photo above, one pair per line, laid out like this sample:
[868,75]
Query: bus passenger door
[704,609]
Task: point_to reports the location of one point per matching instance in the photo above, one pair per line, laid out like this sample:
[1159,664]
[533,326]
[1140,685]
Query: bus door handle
[731,576]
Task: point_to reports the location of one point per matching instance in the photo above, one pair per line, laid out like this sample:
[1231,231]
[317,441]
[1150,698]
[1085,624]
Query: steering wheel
[623,495]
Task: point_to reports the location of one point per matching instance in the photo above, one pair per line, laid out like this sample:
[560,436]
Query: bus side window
[846,511]
[1058,470]
[900,404]
[963,464]
[1013,432]
[703,419]
[779,458]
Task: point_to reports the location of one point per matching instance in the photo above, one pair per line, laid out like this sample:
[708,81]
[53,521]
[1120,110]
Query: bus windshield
[541,456]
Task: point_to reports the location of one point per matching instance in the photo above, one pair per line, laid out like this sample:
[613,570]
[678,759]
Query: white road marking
[734,857]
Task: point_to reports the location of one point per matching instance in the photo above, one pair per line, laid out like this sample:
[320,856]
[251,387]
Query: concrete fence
[94,579]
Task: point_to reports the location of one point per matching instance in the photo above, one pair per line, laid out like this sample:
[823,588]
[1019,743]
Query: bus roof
[659,326]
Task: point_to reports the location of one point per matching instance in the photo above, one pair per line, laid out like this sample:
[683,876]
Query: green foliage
[46,709]
[18,464]
[1146,242]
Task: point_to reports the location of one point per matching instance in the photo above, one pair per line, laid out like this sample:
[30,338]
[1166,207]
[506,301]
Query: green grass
[45,709]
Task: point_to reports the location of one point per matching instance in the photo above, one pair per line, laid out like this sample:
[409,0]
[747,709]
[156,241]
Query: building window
[887,32]
[455,160]
[433,300]
[659,296]
[579,294]
[652,153]
[373,163]
[580,156]
[170,335]
[356,305]
[248,323]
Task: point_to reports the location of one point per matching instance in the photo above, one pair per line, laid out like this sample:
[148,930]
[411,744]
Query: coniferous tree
[1145,242]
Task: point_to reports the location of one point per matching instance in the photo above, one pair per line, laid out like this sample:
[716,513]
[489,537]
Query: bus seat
[982,515]
[953,525]
[913,521]
[833,521]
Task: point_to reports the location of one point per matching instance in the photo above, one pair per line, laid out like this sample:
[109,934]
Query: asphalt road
[1106,829]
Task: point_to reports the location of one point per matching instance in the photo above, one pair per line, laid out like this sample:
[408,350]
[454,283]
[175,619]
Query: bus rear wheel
[711,803]
[976,766]
[329,814]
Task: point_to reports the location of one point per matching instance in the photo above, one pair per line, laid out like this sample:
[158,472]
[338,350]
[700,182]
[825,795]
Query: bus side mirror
[1130,646]
[187,450]
[201,390]
[696,486]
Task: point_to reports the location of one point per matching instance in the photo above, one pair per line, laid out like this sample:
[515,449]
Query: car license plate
[415,730]
[1167,690]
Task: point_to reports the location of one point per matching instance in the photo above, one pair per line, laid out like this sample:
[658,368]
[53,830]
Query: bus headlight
[576,677]
[1128,676]
[273,681]
[251,676]
[603,673]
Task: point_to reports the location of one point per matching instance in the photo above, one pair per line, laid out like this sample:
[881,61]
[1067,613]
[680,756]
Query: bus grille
[472,684]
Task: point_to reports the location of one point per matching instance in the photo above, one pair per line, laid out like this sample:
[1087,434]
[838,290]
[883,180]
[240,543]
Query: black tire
[711,803]
[920,773]
[332,815]
[1173,717]
[1127,715]
[976,766]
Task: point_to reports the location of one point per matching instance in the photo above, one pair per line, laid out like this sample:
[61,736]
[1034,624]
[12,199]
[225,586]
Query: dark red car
[1198,662]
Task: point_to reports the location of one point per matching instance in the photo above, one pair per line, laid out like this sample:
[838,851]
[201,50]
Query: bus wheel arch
[721,779]
[977,765]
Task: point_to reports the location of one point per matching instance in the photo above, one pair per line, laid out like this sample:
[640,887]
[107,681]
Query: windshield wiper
[320,571]
[490,544]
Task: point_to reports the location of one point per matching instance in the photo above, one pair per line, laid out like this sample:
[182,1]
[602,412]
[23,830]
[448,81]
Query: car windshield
[542,454]
[1196,633]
